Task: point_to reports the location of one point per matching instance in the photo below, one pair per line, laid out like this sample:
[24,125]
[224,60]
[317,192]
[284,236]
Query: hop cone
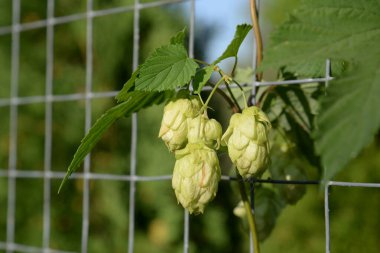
[173,129]
[205,130]
[247,141]
[196,176]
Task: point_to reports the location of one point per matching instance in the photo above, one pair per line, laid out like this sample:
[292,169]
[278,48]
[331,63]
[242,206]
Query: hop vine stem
[204,107]
[247,205]
[202,62]
[250,215]
[258,37]
[226,77]
[233,104]
[234,99]
[259,57]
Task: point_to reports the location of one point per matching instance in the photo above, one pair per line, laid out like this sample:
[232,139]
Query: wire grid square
[10,173]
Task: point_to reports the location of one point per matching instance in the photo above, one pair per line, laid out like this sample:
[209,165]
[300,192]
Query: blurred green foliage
[354,218]
[159,218]
[354,211]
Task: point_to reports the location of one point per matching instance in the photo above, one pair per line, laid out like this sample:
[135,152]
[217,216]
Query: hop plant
[196,176]
[268,206]
[203,129]
[247,141]
[173,129]
[292,193]
[289,166]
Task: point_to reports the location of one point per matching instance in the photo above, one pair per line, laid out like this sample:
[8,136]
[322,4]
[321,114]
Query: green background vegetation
[300,228]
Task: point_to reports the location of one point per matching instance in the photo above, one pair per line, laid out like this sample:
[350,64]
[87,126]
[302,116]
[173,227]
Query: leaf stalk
[204,107]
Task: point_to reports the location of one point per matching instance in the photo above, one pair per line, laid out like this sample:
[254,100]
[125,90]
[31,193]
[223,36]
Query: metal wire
[327,219]
[133,162]
[11,205]
[48,128]
[13,247]
[14,101]
[86,167]
[17,27]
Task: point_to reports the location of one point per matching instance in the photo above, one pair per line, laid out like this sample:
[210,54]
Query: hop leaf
[346,32]
[268,206]
[168,68]
[287,165]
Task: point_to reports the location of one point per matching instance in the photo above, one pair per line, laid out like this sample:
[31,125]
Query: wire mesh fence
[14,101]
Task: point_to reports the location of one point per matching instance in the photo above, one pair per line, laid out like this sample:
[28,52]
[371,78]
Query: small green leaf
[179,38]
[233,47]
[168,68]
[94,135]
[349,116]
[244,75]
[201,77]
[123,95]
[134,101]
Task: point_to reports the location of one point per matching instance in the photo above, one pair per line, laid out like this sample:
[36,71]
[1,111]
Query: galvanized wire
[48,128]
[133,161]
[11,205]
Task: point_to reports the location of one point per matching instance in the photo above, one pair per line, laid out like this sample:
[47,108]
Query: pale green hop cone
[173,129]
[205,130]
[247,140]
[195,177]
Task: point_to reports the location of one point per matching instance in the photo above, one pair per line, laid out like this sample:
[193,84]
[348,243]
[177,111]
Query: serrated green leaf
[135,101]
[286,164]
[179,38]
[302,139]
[322,29]
[303,101]
[233,48]
[123,95]
[349,115]
[289,109]
[294,97]
[201,77]
[168,68]
[94,135]
[244,75]
[268,102]
[348,33]
[268,206]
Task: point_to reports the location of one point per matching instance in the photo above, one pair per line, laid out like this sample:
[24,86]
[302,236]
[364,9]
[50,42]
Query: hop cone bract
[247,141]
[173,129]
[196,176]
[205,130]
